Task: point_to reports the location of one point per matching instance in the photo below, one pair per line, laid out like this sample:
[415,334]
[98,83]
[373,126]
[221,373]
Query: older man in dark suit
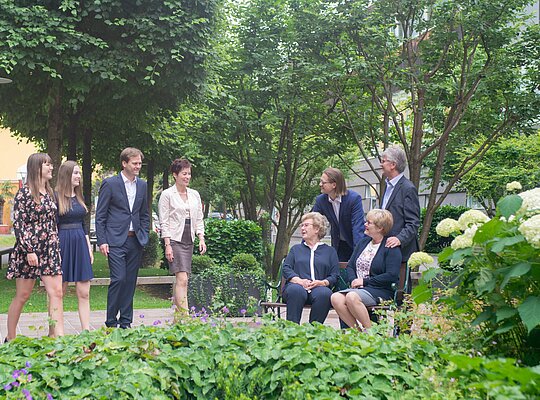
[122,227]
[401,199]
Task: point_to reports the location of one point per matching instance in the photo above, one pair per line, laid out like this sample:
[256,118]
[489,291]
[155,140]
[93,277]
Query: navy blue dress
[76,264]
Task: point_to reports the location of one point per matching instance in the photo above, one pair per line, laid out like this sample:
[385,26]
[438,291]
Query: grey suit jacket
[113,215]
[405,209]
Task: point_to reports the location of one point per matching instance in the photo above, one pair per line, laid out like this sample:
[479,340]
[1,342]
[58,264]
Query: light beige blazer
[172,214]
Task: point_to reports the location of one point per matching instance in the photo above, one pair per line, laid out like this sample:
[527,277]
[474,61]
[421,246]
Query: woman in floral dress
[37,248]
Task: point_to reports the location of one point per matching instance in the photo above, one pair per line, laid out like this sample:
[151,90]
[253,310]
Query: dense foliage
[273,361]
[434,242]
[224,239]
[150,253]
[498,265]
[202,263]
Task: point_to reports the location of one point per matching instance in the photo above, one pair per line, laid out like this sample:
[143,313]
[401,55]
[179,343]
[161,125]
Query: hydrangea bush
[499,271]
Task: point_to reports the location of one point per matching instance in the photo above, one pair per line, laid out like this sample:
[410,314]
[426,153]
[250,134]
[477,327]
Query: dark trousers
[296,297]
[124,263]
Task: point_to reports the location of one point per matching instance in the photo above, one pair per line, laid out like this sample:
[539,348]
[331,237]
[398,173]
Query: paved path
[35,324]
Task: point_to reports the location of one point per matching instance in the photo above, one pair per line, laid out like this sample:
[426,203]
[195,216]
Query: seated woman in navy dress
[310,270]
[75,248]
[372,270]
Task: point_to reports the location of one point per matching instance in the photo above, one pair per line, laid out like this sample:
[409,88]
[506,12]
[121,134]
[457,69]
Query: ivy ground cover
[273,361]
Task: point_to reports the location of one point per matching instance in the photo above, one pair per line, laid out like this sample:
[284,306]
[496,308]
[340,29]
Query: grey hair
[319,221]
[396,155]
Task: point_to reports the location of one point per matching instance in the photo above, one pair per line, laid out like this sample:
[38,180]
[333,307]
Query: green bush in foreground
[273,361]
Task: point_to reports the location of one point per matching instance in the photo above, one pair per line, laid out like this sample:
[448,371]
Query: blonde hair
[319,221]
[382,219]
[34,167]
[64,188]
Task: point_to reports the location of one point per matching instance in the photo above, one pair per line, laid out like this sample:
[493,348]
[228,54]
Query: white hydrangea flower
[447,226]
[419,258]
[531,202]
[513,186]
[530,229]
[465,240]
[471,217]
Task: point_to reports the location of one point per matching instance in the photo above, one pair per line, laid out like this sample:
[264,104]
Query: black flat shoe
[6,340]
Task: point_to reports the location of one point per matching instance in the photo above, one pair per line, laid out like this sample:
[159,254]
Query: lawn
[7,240]
[98,294]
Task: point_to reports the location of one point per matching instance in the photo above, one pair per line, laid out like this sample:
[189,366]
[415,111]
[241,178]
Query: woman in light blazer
[181,218]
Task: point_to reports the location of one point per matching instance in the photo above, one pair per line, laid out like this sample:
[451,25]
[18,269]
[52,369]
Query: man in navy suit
[401,199]
[343,209]
[122,226]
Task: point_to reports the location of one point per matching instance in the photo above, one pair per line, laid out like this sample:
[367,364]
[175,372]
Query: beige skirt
[182,252]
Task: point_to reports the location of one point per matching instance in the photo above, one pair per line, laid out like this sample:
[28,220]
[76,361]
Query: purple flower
[15,384]
[7,387]
[28,365]
[141,316]
[49,396]
[193,308]
[24,372]
[157,322]
[243,311]
[225,310]
[29,377]
[16,374]
[26,394]
[213,324]
[203,310]
[203,319]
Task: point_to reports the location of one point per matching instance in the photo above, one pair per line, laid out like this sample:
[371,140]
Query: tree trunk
[150,173]
[55,126]
[87,172]
[165,179]
[72,137]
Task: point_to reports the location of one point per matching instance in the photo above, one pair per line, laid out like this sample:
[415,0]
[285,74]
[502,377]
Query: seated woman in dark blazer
[372,270]
[310,271]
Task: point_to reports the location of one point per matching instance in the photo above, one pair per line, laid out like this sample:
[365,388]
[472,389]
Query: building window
[370,194]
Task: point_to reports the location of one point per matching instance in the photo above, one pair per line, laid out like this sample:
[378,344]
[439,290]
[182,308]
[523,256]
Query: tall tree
[99,67]
[436,76]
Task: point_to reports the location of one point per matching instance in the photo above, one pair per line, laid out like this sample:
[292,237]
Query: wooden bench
[7,251]
[276,306]
[141,280]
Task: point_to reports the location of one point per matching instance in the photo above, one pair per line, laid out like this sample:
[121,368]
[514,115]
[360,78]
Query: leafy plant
[200,264]
[434,242]
[498,274]
[280,360]
[243,263]
[224,239]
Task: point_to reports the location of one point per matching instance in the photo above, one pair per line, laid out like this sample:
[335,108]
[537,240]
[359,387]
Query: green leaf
[501,243]
[505,313]
[509,205]
[446,254]
[529,311]
[483,317]
[517,270]
[485,282]
[422,293]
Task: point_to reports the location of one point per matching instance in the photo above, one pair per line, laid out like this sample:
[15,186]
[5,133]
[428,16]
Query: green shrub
[436,243]
[221,286]
[278,360]
[245,264]
[224,239]
[199,264]
[498,264]
[150,253]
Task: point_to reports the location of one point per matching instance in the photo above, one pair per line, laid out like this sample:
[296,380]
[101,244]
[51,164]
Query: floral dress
[35,232]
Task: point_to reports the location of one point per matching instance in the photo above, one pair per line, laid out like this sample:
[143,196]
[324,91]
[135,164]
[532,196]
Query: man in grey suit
[401,199]
[122,226]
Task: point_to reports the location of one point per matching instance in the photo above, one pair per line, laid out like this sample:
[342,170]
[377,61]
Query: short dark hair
[179,164]
[130,152]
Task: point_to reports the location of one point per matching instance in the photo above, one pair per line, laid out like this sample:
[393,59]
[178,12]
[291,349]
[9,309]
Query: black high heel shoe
[6,340]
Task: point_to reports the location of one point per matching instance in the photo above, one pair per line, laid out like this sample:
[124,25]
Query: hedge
[436,243]
[273,361]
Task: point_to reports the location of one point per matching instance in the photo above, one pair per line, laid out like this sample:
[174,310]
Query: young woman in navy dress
[75,248]
[36,253]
